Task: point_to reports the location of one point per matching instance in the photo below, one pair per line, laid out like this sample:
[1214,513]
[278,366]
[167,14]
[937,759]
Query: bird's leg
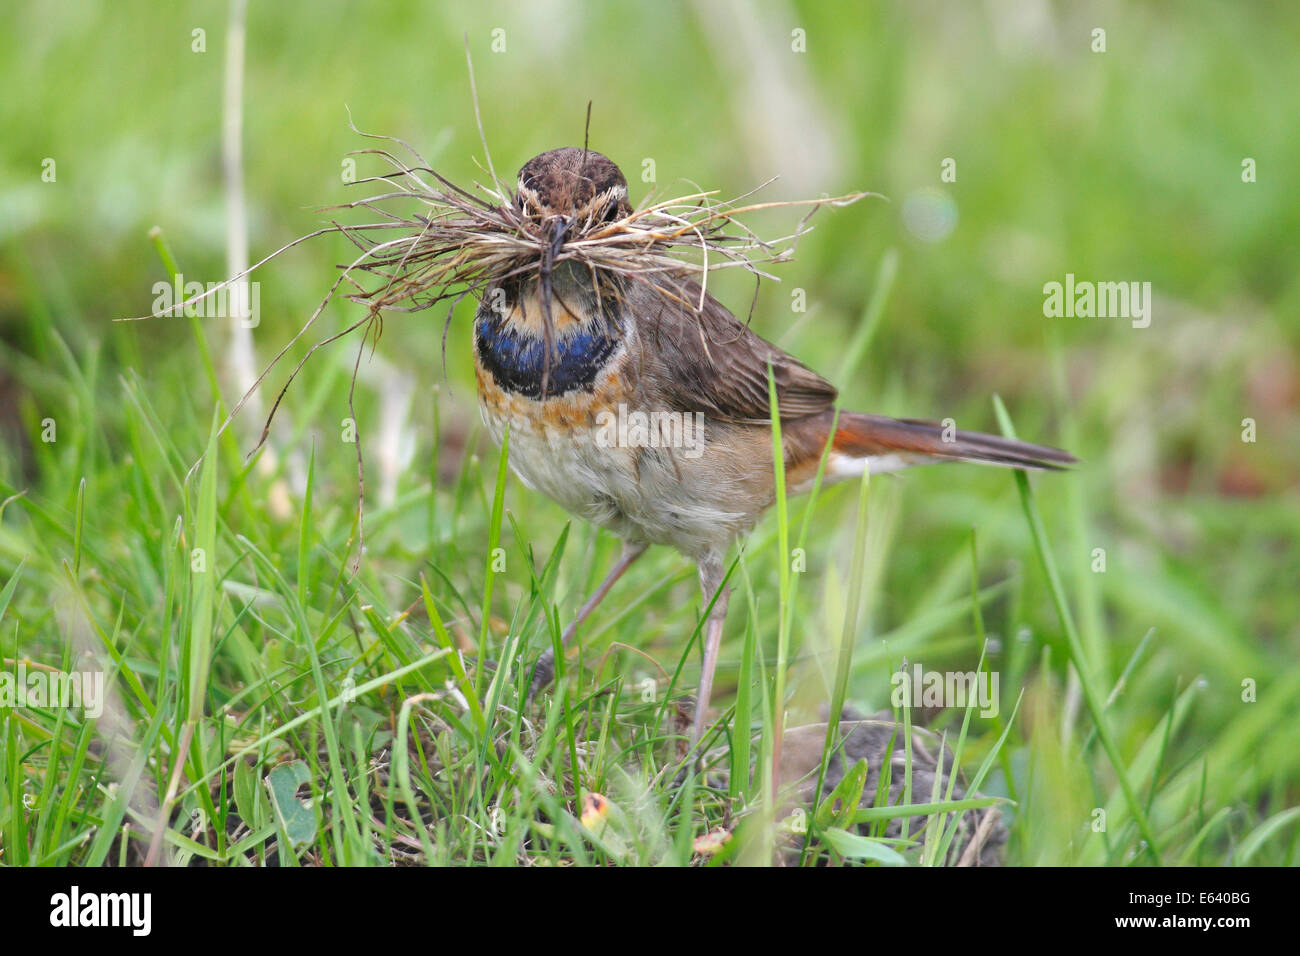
[711,578]
[545,669]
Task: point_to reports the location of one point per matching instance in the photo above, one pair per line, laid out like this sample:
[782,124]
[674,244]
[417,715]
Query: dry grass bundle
[475,241]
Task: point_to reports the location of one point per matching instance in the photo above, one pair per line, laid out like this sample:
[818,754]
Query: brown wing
[712,363]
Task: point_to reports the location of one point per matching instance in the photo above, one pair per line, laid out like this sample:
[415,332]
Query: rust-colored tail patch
[863,436]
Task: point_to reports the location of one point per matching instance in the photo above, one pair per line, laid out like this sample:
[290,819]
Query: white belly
[654,495]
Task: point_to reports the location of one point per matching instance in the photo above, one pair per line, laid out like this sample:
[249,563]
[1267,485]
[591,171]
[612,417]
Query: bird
[566,355]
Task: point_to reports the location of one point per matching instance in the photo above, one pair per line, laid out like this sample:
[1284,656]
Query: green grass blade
[1091,692]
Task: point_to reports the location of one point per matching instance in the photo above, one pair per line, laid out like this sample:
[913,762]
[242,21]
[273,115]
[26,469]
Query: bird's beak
[556,232]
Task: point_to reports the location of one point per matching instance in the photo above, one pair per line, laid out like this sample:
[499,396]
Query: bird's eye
[526,200]
[610,212]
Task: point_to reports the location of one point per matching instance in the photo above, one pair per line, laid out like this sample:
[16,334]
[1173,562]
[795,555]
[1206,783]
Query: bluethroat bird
[563,353]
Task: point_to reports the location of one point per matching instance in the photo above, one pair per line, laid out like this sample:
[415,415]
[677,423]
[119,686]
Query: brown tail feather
[865,435]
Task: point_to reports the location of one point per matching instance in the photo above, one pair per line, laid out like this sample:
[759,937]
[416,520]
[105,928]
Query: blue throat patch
[514,358]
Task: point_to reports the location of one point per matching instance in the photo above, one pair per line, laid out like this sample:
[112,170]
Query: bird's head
[569,190]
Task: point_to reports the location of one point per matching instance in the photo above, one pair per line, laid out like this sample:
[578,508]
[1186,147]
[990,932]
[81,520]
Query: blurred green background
[1123,165]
